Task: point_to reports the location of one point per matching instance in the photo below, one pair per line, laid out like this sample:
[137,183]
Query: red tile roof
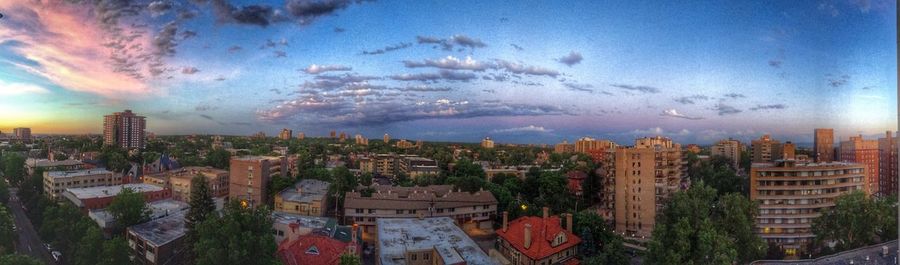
[542,234]
[298,252]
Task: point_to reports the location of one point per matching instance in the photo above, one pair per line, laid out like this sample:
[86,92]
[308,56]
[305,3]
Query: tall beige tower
[823,148]
[124,129]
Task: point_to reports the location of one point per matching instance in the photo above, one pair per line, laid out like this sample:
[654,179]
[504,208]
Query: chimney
[527,236]
[505,219]
[569,222]
[546,213]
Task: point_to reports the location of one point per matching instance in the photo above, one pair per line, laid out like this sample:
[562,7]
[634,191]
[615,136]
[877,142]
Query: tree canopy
[857,220]
[239,236]
[128,208]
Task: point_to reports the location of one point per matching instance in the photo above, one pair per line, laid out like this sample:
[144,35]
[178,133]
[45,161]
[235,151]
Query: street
[29,242]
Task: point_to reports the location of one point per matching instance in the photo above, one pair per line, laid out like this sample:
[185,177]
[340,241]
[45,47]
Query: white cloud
[676,114]
[526,129]
[13,89]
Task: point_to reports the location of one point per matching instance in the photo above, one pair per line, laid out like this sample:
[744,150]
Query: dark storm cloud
[388,48]
[572,59]
[644,89]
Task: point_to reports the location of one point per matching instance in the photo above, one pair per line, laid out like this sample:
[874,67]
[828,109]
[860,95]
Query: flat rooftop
[161,231]
[396,236]
[77,173]
[803,164]
[255,158]
[31,162]
[864,255]
[304,221]
[158,209]
[107,191]
[306,191]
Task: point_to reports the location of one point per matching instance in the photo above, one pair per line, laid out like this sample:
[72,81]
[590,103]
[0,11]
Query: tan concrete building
[179,181]
[887,164]
[766,150]
[249,177]
[789,150]
[487,143]
[307,197]
[124,129]
[564,147]
[56,182]
[640,179]
[823,147]
[160,241]
[791,195]
[730,149]
[587,144]
[859,150]
[470,210]
[286,134]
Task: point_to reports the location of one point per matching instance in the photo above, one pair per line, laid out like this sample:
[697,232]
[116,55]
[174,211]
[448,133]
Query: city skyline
[455,72]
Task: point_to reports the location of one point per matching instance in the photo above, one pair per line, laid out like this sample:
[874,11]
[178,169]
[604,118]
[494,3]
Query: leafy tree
[218,158]
[685,232]
[115,252]
[553,191]
[365,179]
[60,156]
[90,247]
[17,259]
[467,168]
[116,161]
[856,221]
[202,204]
[14,168]
[736,216]
[594,230]
[349,259]
[277,184]
[7,235]
[128,208]
[239,236]
[719,174]
[4,192]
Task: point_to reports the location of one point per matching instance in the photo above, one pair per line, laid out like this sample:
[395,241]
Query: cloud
[346,112]
[220,78]
[339,30]
[314,69]
[837,81]
[260,15]
[425,89]
[517,47]
[234,49]
[13,89]
[691,99]
[726,109]
[308,10]
[332,82]
[768,107]
[280,54]
[158,8]
[674,113]
[525,129]
[189,70]
[450,43]
[205,107]
[644,89]
[775,63]
[579,87]
[165,39]
[429,77]
[76,50]
[735,95]
[207,117]
[389,48]
[187,34]
[520,68]
[450,63]
[572,59]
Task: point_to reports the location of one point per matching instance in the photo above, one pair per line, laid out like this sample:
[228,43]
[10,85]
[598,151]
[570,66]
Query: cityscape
[350,132]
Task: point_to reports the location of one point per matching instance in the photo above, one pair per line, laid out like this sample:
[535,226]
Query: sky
[515,71]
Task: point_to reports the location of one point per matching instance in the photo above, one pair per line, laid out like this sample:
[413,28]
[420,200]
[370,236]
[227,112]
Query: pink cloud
[72,49]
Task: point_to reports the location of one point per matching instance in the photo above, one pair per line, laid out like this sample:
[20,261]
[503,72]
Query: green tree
[4,192]
[202,204]
[685,232]
[595,230]
[218,158]
[736,216]
[7,235]
[128,208]
[349,259]
[14,168]
[856,221]
[16,259]
[90,247]
[115,252]
[115,161]
[239,236]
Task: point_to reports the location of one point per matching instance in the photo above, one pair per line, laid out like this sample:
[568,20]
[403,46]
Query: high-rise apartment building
[387,138]
[596,149]
[730,149]
[564,147]
[823,148]
[22,134]
[792,194]
[487,143]
[888,164]
[862,151]
[789,151]
[124,129]
[361,140]
[286,134]
[766,150]
[249,177]
[640,178]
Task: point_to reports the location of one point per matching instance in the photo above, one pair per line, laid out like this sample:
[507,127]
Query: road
[29,242]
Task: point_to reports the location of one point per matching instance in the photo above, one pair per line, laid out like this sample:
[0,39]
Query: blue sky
[517,71]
